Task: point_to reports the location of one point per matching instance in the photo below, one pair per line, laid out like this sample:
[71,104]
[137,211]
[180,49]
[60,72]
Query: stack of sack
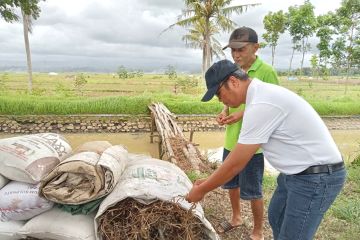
[24,161]
[49,192]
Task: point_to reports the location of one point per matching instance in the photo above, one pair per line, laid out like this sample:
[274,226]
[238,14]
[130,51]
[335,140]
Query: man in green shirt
[248,183]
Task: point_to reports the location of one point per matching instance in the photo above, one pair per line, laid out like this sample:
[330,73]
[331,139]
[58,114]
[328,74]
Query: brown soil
[217,207]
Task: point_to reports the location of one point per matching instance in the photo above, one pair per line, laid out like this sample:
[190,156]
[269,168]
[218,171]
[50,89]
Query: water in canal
[348,142]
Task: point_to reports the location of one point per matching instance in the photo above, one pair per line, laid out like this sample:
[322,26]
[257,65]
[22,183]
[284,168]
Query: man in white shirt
[294,140]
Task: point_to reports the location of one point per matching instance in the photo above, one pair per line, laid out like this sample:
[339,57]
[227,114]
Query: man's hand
[233,118]
[220,118]
[195,194]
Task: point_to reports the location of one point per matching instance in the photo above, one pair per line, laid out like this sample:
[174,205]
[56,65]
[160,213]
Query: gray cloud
[101,35]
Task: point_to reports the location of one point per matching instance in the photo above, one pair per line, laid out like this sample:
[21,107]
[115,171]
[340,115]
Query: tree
[27,26]
[302,25]
[194,39]
[356,53]
[296,47]
[274,24]
[171,72]
[325,32]
[338,53]
[80,82]
[348,22]
[7,9]
[122,72]
[29,10]
[314,65]
[206,18]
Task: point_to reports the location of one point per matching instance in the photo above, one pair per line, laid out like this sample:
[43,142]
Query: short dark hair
[240,74]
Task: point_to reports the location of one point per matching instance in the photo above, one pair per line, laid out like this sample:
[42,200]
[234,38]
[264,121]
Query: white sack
[85,176]
[3,181]
[8,230]
[59,225]
[21,201]
[30,157]
[148,180]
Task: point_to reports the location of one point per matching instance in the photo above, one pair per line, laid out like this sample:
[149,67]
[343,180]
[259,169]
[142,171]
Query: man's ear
[256,47]
[233,81]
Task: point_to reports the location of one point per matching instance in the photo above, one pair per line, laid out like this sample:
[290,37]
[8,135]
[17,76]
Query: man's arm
[233,117]
[234,163]
[225,118]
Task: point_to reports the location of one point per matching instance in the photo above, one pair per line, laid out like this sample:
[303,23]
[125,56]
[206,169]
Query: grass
[107,94]
[342,220]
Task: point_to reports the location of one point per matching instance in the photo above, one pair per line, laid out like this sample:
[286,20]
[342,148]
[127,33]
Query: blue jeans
[249,179]
[300,201]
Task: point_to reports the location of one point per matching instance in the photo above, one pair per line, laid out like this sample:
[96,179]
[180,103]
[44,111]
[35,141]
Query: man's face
[245,56]
[227,93]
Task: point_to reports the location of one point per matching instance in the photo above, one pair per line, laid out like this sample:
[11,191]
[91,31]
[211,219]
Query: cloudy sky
[94,35]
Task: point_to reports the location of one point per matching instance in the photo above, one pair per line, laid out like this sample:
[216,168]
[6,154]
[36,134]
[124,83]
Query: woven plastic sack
[59,225]
[21,201]
[30,157]
[148,180]
[3,181]
[8,230]
[86,175]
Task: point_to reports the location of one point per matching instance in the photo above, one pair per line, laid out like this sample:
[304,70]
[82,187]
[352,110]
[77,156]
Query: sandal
[225,226]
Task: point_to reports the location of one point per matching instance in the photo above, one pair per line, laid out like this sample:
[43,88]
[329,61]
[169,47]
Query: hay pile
[161,220]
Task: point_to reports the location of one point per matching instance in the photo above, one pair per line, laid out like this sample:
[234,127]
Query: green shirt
[263,72]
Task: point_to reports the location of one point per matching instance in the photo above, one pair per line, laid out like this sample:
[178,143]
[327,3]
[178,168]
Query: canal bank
[130,124]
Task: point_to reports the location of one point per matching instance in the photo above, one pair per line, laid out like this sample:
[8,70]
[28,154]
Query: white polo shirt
[291,133]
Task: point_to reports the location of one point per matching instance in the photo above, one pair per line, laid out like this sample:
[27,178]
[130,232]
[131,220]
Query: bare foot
[236,221]
[257,236]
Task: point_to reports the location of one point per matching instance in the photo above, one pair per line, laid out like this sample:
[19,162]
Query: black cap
[217,73]
[242,36]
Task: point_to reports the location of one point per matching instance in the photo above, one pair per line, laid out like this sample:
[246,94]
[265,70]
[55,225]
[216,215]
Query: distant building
[53,74]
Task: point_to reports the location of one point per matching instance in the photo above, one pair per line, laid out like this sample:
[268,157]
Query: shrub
[80,82]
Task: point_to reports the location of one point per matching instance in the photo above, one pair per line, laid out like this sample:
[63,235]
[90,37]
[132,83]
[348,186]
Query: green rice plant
[62,106]
[336,108]
[38,91]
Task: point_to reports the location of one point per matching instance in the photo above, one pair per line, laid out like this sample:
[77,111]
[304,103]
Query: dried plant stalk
[161,220]
[179,150]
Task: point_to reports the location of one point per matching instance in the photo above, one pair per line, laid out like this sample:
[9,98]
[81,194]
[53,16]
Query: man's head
[218,76]
[240,37]
[244,44]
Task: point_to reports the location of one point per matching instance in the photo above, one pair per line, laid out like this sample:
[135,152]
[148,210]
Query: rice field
[109,94]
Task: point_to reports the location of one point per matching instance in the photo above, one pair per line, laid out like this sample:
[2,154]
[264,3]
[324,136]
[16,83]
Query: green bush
[80,82]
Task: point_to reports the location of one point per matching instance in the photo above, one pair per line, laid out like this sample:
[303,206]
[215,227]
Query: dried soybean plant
[161,220]
[178,150]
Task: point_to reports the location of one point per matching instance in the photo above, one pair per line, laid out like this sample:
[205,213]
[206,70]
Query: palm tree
[208,17]
[195,39]
[30,10]
[27,26]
